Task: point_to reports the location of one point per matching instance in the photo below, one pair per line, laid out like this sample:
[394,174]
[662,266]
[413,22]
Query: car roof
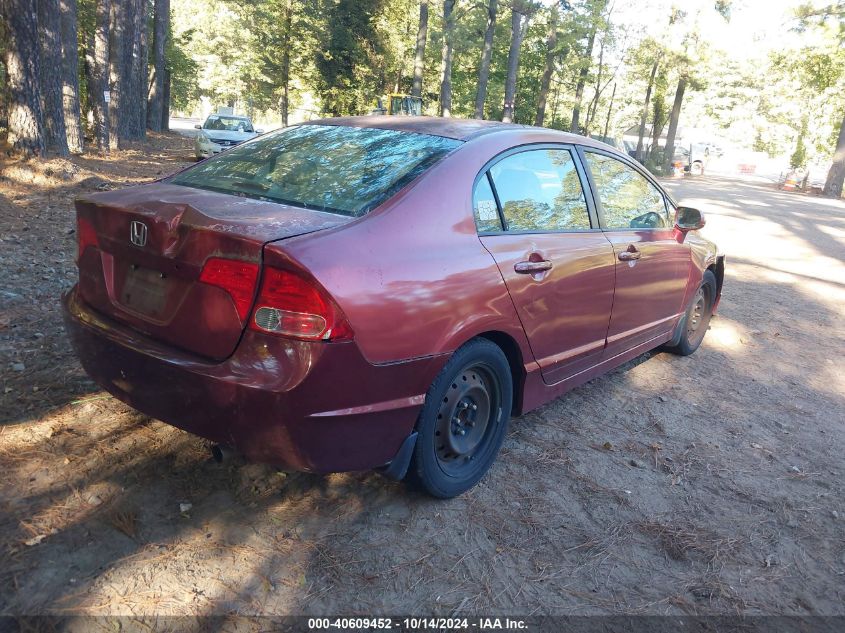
[458,129]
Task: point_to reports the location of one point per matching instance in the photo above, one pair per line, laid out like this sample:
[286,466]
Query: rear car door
[535,220]
[652,267]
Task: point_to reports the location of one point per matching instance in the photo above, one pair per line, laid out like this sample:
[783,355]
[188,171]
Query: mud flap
[679,332]
[397,468]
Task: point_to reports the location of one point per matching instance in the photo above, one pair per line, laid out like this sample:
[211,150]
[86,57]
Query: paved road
[184,126]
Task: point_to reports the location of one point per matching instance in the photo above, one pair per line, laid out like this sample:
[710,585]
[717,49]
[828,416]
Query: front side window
[540,190]
[332,168]
[628,199]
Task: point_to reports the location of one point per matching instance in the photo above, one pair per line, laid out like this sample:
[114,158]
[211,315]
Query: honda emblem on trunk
[138,233]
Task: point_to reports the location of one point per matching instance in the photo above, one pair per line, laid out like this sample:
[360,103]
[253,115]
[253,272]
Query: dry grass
[685,542]
[125,521]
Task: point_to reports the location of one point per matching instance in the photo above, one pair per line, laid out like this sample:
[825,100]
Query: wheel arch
[516,362]
[718,270]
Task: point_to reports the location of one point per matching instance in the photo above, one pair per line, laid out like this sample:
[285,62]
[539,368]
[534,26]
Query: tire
[693,326]
[697,168]
[463,421]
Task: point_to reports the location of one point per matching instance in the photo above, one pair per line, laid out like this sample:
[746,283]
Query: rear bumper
[316,407]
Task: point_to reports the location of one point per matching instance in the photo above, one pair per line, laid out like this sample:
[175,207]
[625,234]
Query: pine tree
[70,75]
[100,75]
[486,56]
[419,57]
[446,58]
[51,76]
[26,124]
[161,27]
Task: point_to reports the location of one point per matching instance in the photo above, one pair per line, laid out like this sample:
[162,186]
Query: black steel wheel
[696,320]
[463,421]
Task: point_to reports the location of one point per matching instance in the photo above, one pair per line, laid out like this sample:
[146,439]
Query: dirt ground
[708,484]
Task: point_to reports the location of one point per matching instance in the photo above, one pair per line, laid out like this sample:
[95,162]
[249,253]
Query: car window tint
[484,207]
[333,168]
[540,190]
[628,199]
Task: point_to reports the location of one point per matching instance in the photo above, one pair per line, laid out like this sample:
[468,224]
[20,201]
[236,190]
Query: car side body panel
[650,291]
[565,310]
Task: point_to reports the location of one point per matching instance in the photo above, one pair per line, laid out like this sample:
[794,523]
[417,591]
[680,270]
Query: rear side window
[332,168]
[540,190]
[484,207]
[628,199]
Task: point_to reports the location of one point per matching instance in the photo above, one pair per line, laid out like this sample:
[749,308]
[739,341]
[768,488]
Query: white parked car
[222,131]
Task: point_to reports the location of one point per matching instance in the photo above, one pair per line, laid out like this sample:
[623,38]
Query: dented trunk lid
[152,242]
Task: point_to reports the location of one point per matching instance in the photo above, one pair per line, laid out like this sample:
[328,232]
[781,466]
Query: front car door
[534,219]
[652,266]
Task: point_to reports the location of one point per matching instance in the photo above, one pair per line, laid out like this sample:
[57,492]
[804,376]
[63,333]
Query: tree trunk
[555,102]
[609,110]
[288,23]
[128,69]
[120,36]
[400,56]
[100,74]
[594,104]
[486,56]
[446,79]
[161,21]
[657,123]
[26,124]
[836,175]
[644,117]
[673,124]
[548,71]
[88,64]
[165,106]
[49,28]
[139,70]
[582,81]
[70,76]
[518,22]
[419,59]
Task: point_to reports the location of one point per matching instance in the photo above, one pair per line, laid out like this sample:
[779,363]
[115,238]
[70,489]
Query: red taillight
[86,236]
[289,305]
[235,277]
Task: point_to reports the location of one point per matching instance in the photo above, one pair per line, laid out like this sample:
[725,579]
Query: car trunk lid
[151,243]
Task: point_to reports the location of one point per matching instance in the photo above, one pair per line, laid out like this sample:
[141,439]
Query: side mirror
[198,126]
[688,219]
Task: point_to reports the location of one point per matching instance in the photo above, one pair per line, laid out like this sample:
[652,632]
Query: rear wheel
[696,320]
[463,421]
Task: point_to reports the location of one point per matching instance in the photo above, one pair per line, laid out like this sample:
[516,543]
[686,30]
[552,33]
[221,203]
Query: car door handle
[629,255]
[527,268]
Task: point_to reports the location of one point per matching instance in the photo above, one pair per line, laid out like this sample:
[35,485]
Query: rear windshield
[339,169]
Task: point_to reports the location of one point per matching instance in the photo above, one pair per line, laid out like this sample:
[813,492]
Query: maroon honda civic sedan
[383,292]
